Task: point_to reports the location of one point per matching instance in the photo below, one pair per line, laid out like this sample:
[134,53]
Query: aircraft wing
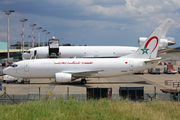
[83,73]
[102,56]
[165,50]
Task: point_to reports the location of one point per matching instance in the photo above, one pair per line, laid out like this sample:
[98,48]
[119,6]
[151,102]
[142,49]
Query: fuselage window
[14,65]
[27,51]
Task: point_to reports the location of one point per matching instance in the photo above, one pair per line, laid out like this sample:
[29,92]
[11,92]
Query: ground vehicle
[9,79]
[155,70]
[169,69]
[53,55]
[178,69]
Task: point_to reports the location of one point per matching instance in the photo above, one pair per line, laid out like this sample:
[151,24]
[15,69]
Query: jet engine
[164,41]
[63,77]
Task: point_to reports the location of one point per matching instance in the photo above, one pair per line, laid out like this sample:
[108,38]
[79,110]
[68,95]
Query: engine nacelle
[63,77]
[164,41]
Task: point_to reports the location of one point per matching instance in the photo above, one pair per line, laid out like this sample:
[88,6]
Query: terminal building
[14,53]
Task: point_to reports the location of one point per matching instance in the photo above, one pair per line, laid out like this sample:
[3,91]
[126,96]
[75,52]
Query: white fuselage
[82,52]
[107,67]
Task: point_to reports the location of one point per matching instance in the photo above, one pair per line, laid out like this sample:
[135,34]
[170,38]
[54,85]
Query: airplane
[68,70]
[99,51]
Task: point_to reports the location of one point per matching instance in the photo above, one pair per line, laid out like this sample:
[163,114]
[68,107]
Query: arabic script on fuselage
[73,62]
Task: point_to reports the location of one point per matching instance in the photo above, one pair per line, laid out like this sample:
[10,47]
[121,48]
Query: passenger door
[26,66]
[131,65]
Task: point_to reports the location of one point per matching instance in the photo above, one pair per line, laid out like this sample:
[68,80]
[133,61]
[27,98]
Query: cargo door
[35,53]
[54,48]
[26,66]
[131,66]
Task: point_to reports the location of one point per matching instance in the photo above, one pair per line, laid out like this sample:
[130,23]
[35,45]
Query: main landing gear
[83,81]
[25,81]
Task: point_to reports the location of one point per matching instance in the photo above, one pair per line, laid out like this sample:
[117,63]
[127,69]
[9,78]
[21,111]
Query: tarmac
[47,87]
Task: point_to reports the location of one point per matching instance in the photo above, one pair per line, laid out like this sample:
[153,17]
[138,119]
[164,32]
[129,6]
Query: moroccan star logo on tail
[145,50]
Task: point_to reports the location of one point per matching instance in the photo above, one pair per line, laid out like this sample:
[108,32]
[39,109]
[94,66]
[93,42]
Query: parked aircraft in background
[99,51]
[81,52]
[67,70]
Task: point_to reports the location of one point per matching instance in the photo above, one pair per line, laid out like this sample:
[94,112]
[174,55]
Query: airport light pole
[34,38]
[39,35]
[61,41]
[29,40]
[23,20]
[33,33]
[47,37]
[21,42]
[8,13]
[43,36]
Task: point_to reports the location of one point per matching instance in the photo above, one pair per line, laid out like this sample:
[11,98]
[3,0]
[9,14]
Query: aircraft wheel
[22,82]
[83,81]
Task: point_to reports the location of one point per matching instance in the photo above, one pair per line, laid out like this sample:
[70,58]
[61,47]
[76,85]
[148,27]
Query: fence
[66,95]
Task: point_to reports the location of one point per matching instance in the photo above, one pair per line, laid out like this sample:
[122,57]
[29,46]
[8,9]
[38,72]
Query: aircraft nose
[7,71]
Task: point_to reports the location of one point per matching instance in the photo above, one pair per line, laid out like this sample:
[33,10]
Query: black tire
[83,81]
[22,82]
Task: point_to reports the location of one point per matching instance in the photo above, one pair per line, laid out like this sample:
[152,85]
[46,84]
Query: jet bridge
[53,48]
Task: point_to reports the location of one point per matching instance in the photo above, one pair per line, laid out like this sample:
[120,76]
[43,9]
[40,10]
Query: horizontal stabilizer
[155,60]
[165,50]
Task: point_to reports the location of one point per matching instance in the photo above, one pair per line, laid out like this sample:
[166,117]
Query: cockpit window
[14,65]
[27,51]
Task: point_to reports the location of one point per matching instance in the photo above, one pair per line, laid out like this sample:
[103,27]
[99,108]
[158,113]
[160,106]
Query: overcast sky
[90,22]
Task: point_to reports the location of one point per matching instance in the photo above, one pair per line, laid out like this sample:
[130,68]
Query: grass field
[93,110]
